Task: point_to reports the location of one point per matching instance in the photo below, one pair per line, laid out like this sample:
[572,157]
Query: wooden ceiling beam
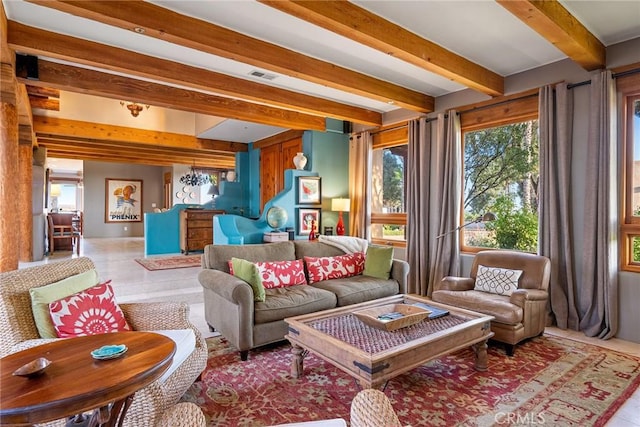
[164,24]
[75,79]
[35,41]
[44,103]
[87,130]
[553,22]
[134,155]
[74,155]
[192,155]
[351,21]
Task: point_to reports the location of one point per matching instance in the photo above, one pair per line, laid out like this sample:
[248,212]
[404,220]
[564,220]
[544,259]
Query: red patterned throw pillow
[90,312]
[335,267]
[278,274]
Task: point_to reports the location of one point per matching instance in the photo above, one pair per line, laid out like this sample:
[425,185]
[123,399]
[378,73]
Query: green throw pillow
[248,272]
[42,296]
[378,261]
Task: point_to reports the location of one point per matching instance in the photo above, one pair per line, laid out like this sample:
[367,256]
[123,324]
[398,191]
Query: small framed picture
[309,190]
[306,218]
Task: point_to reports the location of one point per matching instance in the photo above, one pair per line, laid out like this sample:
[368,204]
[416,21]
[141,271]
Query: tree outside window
[388,181]
[501,175]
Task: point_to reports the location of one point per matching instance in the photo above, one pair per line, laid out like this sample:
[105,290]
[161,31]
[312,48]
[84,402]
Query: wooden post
[25,193]
[9,172]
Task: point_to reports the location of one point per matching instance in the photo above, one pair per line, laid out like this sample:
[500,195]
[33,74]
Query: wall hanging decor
[309,190]
[307,217]
[123,200]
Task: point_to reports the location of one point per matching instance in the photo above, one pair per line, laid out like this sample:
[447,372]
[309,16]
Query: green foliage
[500,159]
[514,228]
[636,249]
[393,180]
[501,176]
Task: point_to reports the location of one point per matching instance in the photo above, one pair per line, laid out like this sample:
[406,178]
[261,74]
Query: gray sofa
[230,308]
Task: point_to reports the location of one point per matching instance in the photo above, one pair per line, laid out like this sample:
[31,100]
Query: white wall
[95,174]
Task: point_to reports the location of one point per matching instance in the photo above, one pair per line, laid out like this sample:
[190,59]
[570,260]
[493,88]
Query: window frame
[629,88]
[387,137]
[498,112]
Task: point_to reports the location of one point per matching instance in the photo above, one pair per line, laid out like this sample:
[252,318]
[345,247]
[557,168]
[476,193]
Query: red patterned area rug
[550,381]
[168,263]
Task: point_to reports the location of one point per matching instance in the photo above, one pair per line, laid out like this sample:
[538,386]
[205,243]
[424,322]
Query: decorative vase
[300,161]
[231,176]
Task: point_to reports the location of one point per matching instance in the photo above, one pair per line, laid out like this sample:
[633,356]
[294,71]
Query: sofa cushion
[42,296]
[281,303]
[495,280]
[89,312]
[358,289]
[314,248]
[217,256]
[336,267]
[185,341]
[278,274]
[494,305]
[249,272]
[378,261]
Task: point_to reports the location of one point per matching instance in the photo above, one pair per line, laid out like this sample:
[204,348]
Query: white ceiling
[479,30]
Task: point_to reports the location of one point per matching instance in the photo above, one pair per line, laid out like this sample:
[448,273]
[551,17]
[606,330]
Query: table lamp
[340,205]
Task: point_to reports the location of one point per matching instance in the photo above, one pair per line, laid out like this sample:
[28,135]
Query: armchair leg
[244,355]
[510,348]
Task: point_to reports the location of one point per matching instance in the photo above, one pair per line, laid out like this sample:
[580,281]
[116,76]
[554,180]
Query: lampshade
[213,190]
[340,204]
[56,190]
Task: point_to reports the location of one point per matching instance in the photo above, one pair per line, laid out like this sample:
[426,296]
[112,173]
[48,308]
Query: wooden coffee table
[373,356]
[75,382]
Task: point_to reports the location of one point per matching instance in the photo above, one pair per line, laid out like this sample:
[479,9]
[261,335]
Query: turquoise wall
[329,158]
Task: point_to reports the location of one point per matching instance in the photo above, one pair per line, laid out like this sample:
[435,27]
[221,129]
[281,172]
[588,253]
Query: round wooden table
[75,382]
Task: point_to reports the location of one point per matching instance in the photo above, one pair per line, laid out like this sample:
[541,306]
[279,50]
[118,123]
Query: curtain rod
[569,86]
[614,76]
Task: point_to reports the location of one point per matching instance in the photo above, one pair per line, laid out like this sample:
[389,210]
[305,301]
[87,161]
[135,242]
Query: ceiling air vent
[261,75]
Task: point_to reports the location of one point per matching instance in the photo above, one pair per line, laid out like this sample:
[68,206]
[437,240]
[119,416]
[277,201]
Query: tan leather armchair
[519,316]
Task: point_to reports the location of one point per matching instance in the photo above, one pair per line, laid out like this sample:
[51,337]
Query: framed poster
[309,190]
[305,218]
[123,200]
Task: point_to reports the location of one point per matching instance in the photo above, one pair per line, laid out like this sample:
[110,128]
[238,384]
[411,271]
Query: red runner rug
[549,381]
[168,263]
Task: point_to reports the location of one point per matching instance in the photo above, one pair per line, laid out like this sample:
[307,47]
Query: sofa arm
[400,273]
[229,287]
[453,283]
[520,296]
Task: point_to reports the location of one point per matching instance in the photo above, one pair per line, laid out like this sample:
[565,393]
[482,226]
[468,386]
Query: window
[501,176]
[630,248]
[388,187]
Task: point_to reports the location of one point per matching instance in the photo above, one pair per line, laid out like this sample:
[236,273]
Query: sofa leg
[244,355]
[211,328]
[510,348]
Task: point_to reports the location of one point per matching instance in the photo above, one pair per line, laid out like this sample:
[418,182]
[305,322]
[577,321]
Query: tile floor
[114,259]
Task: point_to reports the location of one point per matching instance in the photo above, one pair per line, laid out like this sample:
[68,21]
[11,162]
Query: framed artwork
[305,218]
[309,190]
[123,200]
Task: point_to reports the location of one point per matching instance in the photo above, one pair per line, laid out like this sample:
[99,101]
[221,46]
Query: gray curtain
[555,206]
[598,296]
[433,200]
[359,186]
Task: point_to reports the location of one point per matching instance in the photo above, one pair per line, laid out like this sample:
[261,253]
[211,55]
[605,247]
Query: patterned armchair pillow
[501,281]
[90,312]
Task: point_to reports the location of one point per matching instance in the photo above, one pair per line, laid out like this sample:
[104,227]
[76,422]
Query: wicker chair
[18,331]
[183,414]
[371,408]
